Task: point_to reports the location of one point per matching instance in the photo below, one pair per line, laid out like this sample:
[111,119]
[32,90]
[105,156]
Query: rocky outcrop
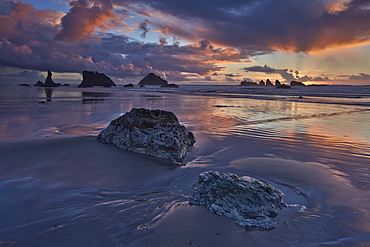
[262,83]
[129,85]
[283,86]
[277,83]
[49,81]
[171,85]
[297,83]
[92,79]
[247,83]
[152,79]
[24,85]
[250,202]
[39,84]
[152,132]
[268,82]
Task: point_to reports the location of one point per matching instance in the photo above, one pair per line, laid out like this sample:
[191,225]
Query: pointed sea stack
[268,83]
[92,79]
[277,83]
[49,81]
[152,79]
[262,83]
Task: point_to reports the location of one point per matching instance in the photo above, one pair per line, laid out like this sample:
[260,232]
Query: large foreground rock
[153,132]
[152,79]
[92,79]
[250,202]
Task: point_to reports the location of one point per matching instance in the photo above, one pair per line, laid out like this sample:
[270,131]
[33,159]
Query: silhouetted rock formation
[152,79]
[277,83]
[92,79]
[152,132]
[39,84]
[250,202]
[283,86]
[262,83]
[129,85]
[24,85]
[66,85]
[297,83]
[49,81]
[171,85]
[268,83]
[247,83]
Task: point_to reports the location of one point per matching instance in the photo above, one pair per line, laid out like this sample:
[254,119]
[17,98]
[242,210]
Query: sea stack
[247,83]
[152,79]
[49,81]
[268,83]
[297,83]
[153,132]
[92,79]
[250,202]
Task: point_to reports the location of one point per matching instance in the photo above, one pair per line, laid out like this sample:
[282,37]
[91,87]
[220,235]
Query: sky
[186,42]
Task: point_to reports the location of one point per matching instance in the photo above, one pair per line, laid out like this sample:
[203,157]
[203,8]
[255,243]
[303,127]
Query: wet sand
[61,187]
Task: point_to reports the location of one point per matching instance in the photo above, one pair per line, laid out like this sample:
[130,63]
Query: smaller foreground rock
[152,132]
[250,202]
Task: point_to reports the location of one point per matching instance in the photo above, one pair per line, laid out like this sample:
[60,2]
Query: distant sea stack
[283,86]
[49,81]
[152,79]
[39,84]
[92,79]
[268,83]
[171,85]
[247,83]
[297,83]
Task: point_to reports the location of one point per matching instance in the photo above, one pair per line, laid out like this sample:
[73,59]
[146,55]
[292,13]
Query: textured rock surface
[152,79]
[250,202]
[92,79]
[153,132]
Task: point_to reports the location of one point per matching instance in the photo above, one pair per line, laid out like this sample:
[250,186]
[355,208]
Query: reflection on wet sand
[48,93]
[94,97]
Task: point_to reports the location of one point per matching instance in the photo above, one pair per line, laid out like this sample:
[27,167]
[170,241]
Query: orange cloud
[84,18]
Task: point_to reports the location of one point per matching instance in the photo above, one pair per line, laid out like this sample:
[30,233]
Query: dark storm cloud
[291,25]
[73,42]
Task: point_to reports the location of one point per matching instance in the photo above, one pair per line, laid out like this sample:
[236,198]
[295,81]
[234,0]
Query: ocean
[59,186]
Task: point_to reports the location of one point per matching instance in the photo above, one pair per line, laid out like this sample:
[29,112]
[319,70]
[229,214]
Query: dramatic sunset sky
[192,41]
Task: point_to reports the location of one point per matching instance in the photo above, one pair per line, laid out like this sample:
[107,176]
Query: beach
[59,186]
